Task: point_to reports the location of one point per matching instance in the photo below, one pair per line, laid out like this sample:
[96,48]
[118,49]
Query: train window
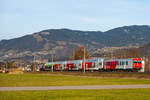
[137,62]
[93,64]
[107,63]
[118,63]
[75,65]
[123,63]
[126,62]
[100,63]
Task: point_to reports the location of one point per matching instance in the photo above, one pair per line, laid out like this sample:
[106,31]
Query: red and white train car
[59,66]
[131,64]
[93,64]
[74,65]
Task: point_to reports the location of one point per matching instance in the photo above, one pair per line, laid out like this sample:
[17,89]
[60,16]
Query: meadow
[64,80]
[113,94]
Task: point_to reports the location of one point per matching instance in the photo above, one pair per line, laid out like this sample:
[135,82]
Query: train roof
[75,61]
[60,62]
[93,60]
[49,64]
[124,59]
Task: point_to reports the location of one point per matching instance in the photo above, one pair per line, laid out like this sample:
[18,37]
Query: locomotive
[98,64]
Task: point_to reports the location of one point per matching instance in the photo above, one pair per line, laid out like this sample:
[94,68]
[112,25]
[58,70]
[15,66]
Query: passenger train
[98,64]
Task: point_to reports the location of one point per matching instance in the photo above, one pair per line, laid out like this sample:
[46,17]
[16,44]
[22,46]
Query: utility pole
[52,60]
[6,65]
[84,61]
[33,63]
[73,58]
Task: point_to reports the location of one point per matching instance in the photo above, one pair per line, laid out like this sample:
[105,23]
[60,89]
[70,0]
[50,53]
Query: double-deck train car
[93,64]
[74,65]
[60,65]
[131,64]
[46,66]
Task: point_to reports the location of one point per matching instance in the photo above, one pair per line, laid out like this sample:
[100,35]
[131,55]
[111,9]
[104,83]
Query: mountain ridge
[63,41]
[79,30]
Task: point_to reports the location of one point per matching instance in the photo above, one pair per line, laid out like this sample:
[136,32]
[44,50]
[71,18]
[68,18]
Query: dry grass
[136,75]
[16,71]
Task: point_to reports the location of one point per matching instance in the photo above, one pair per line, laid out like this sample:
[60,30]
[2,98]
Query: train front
[137,63]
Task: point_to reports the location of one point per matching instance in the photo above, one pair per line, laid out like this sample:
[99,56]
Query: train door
[129,64]
[100,63]
[62,67]
[77,65]
[80,65]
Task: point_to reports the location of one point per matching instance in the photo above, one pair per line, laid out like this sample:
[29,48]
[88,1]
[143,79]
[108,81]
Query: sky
[21,17]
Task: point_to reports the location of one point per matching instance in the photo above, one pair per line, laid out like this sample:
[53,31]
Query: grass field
[62,80]
[115,94]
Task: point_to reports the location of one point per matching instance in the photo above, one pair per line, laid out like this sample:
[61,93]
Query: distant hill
[129,35]
[63,41]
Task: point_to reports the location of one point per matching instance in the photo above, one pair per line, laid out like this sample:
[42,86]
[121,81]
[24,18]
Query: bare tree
[128,53]
[79,53]
[10,64]
[134,52]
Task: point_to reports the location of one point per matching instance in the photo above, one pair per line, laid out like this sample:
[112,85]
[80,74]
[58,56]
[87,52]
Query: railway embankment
[137,75]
